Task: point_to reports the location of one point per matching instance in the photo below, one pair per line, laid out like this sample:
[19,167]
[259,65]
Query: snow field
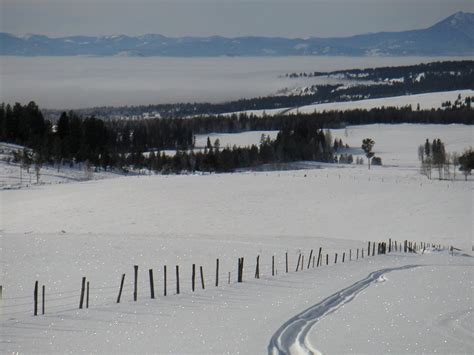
[58,233]
[397,145]
[241,318]
[426,101]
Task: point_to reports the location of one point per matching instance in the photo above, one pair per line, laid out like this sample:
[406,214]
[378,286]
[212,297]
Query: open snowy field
[99,229]
[427,101]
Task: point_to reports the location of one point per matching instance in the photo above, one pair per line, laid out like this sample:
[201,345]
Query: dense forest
[408,72]
[118,143]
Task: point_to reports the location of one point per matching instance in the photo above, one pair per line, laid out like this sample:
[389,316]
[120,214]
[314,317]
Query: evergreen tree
[367,145]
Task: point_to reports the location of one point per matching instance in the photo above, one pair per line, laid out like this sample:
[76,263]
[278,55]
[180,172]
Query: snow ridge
[290,338]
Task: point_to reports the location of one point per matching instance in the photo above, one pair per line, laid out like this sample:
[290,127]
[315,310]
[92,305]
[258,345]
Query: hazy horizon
[80,82]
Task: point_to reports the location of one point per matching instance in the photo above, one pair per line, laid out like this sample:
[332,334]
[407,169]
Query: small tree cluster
[466,162]
[433,155]
[346,159]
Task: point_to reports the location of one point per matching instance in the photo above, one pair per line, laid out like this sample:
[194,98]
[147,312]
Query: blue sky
[231,18]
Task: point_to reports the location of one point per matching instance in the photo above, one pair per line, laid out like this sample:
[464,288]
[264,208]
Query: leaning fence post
[320,262]
[302,262]
[202,277]
[310,256]
[343,256]
[121,287]
[298,264]
[83,290]
[35,299]
[217,272]
[87,295]
[335,259]
[152,286]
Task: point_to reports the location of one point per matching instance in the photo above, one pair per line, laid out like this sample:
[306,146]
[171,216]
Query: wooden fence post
[193,278]
[273,265]
[335,258]
[327,259]
[87,295]
[229,279]
[35,299]
[121,288]
[368,250]
[298,264]
[202,277]
[302,262]
[43,301]
[152,285]
[362,256]
[350,254]
[286,261]
[83,290]
[373,248]
[177,279]
[320,262]
[217,272]
[164,281]
[135,283]
[314,260]
[240,270]
[389,245]
[343,256]
[309,260]
[257,268]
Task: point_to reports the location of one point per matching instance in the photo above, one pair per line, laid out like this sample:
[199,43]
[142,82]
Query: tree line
[118,143]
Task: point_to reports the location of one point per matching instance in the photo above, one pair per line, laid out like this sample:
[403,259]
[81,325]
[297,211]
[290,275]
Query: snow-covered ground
[99,229]
[397,145]
[14,176]
[426,102]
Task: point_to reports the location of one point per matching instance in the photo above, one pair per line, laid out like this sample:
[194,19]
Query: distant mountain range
[452,36]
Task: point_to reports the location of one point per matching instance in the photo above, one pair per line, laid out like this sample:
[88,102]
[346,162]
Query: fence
[316,259]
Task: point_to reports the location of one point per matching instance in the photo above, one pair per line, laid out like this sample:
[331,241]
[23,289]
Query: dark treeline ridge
[438,76]
[409,72]
[120,143]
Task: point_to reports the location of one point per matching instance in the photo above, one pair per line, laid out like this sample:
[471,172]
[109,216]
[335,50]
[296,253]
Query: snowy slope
[58,233]
[426,101]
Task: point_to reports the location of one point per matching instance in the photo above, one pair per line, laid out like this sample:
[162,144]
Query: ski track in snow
[290,338]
